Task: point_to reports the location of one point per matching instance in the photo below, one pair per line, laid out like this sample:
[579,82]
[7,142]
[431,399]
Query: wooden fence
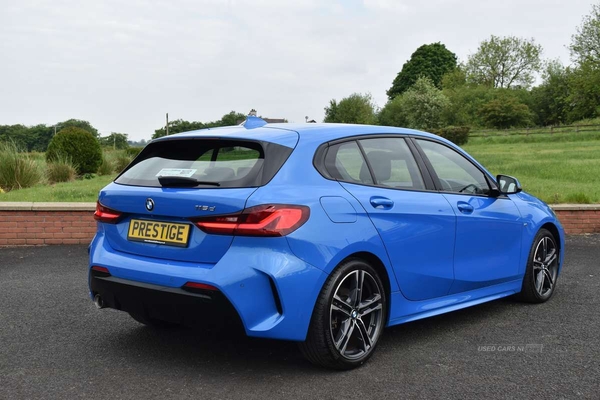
[533,131]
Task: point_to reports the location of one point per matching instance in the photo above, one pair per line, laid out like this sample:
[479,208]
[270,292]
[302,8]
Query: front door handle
[381,202]
[464,207]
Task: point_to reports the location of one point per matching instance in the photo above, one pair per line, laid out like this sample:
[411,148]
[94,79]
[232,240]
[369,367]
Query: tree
[585,44]
[420,107]
[584,95]
[115,140]
[505,111]
[354,109]
[180,125]
[430,60]
[77,123]
[550,100]
[505,62]
[232,118]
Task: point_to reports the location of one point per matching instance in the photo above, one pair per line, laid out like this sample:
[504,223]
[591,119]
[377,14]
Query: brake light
[265,220]
[106,215]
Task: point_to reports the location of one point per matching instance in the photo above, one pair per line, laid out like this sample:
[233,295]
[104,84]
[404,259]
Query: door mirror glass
[508,184]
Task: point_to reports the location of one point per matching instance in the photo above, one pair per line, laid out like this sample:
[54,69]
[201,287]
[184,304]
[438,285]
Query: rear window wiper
[183,181]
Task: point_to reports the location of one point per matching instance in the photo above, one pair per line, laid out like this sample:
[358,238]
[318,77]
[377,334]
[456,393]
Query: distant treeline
[37,137]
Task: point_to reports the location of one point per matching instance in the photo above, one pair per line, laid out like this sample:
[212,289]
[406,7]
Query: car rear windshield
[205,163]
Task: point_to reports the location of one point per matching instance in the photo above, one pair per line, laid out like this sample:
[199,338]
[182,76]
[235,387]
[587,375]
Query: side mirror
[508,184]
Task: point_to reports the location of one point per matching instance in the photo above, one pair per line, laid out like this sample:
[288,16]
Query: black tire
[152,322]
[346,318]
[541,274]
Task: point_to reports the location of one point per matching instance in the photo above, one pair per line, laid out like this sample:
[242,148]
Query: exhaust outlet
[99,302]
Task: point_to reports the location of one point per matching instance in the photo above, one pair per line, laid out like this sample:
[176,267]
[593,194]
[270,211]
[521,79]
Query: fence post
[527,133]
[577,129]
[552,129]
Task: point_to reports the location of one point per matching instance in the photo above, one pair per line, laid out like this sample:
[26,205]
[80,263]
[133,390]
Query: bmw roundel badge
[149,204]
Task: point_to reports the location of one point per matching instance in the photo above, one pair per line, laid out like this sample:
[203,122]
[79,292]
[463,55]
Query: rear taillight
[265,220]
[106,215]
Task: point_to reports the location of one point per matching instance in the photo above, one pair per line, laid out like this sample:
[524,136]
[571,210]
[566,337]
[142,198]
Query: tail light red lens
[265,220]
[106,215]
[202,286]
[103,270]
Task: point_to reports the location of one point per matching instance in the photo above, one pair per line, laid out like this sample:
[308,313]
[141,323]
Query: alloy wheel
[356,315]
[545,266]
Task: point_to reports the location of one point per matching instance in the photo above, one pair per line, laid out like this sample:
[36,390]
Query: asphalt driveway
[55,344]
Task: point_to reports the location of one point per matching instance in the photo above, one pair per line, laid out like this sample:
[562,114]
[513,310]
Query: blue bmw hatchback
[318,233]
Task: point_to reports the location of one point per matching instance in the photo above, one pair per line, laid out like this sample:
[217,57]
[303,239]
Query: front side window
[455,173]
[393,163]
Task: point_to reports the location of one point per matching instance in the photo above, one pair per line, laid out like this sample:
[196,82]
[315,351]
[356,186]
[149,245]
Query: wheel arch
[553,229]
[379,266]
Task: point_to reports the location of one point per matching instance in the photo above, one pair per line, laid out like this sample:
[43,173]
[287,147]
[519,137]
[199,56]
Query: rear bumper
[197,308]
[270,290]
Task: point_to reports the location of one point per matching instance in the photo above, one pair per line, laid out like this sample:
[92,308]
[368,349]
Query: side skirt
[403,310]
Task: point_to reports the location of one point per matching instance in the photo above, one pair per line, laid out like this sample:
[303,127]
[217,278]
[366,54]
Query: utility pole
[114,141]
[54,130]
[167,124]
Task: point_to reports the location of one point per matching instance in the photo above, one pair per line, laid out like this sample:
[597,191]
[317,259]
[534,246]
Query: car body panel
[488,241]
[418,232]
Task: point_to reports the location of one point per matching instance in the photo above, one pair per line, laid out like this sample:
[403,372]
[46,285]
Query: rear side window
[205,163]
[345,162]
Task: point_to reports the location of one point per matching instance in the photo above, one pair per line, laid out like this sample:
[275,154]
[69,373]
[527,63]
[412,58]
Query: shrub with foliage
[78,145]
[17,170]
[107,167]
[61,170]
[121,161]
[458,135]
[420,107]
[505,111]
[133,151]
[354,109]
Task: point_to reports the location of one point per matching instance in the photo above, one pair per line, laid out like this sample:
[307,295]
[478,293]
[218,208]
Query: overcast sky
[122,64]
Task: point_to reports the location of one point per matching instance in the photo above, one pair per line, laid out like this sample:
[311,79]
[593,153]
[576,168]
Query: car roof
[287,134]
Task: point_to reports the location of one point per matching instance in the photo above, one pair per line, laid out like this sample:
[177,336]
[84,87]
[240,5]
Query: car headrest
[381,162]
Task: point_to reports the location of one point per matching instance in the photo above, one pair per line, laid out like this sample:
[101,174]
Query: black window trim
[321,153]
[492,185]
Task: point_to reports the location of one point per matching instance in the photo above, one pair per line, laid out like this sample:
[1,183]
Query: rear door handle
[464,208]
[381,202]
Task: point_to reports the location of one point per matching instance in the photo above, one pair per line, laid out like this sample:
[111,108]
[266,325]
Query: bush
[420,107]
[458,135]
[133,151]
[107,167]
[61,170]
[505,111]
[122,160]
[78,145]
[17,170]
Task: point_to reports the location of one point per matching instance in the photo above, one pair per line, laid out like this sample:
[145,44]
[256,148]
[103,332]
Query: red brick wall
[577,222]
[46,227]
[70,225]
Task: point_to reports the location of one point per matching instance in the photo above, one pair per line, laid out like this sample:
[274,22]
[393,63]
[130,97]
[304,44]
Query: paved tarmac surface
[55,344]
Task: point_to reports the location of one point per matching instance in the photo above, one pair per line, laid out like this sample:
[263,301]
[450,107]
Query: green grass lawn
[80,190]
[560,168]
[556,170]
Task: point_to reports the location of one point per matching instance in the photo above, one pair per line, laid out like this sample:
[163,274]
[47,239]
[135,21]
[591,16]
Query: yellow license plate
[159,232]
